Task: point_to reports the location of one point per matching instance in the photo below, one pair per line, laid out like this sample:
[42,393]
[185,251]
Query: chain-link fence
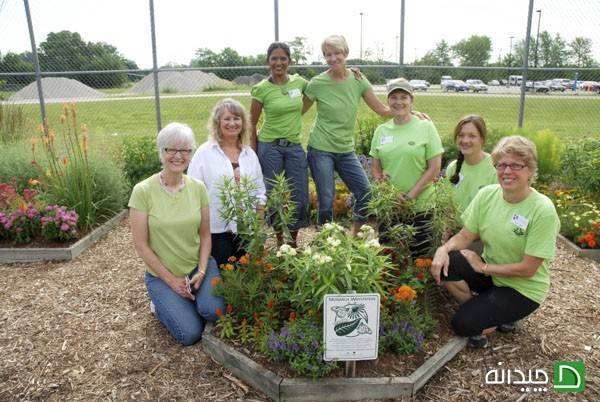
[464,70]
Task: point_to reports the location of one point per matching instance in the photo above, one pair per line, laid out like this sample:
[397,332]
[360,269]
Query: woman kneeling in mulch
[171,232]
[518,227]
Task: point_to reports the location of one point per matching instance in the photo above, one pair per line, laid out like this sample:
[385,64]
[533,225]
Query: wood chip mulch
[82,330]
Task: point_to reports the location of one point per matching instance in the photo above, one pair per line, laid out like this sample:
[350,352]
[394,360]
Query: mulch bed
[82,330]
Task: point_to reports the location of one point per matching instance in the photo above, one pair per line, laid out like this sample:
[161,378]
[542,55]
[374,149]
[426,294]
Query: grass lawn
[110,120]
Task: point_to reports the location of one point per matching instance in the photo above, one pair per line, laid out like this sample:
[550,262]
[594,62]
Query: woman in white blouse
[226,154]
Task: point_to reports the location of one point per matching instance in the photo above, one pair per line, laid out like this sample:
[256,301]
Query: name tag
[386,140]
[294,93]
[520,221]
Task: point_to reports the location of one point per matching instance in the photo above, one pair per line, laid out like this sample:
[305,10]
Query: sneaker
[508,327]
[152,308]
[477,342]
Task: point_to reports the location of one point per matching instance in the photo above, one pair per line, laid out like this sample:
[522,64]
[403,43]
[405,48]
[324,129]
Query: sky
[183,26]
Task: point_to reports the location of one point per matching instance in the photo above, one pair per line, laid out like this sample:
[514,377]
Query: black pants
[421,243]
[493,306]
[225,245]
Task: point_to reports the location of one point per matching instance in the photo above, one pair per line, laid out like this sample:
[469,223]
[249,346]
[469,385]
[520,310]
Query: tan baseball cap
[399,84]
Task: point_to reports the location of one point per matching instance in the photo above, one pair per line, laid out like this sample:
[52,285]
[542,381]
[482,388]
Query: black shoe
[508,327]
[477,342]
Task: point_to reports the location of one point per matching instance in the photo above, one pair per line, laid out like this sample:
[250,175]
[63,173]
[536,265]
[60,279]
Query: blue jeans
[184,318]
[322,166]
[283,156]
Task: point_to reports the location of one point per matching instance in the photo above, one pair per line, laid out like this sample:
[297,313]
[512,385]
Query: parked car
[418,85]
[565,82]
[493,83]
[455,85]
[555,86]
[477,86]
[445,78]
[590,86]
[538,86]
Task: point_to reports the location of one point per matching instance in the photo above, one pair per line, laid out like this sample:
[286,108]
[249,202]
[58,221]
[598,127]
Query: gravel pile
[57,89]
[249,79]
[178,81]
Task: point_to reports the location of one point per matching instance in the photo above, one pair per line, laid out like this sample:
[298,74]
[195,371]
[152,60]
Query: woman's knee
[464,325]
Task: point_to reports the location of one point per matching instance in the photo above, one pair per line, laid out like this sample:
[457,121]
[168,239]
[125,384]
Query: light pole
[397,45]
[510,51]
[537,38]
[361,35]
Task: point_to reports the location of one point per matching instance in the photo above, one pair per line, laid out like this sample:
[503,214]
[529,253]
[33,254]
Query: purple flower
[64,227]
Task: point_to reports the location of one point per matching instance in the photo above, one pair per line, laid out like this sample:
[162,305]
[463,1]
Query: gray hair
[234,107]
[175,132]
[518,147]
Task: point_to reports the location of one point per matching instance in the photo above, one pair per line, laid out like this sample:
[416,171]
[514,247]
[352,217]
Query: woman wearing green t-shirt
[518,227]
[338,92]
[170,224]
[408,152]
[277,144]
[473,168]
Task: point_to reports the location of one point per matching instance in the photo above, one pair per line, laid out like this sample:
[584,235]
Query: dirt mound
[178,81]
[57,89]
[249,79]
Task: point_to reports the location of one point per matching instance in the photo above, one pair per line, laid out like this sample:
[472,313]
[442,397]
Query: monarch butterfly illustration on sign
[351,320]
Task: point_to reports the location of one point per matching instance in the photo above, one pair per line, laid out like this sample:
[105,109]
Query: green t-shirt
[337,105]
[403,150]
[173,221]
[509,231]
[282,105]
[471,178]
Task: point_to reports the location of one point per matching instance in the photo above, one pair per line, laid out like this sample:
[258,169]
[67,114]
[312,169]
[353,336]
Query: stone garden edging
[326,389]
[593,254]
[13,255]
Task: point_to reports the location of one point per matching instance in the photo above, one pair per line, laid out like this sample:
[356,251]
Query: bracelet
[484,268]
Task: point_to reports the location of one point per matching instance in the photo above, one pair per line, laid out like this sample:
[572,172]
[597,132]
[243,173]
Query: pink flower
[64,227]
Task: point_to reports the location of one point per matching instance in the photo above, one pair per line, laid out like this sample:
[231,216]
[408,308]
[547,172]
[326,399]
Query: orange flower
[592,243]
[229,308]
[265,253]
[292,316]
[244,322]
[219,312]
[63,119]
[232,259]
[270,304]
[420,276]
[229,267]
[23,207]
[33,182]
[423,262]
[65,161]
[405,293]
[244,260]
[215,281]
[268,266]
[222,266]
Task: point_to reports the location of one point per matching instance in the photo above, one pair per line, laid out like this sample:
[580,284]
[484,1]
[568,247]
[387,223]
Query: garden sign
[351,326]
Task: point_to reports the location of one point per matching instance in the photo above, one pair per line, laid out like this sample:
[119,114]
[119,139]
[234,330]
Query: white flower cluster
[366,232]
[321,258]
[333,226]
[373,243]
[333,242]
[286,249]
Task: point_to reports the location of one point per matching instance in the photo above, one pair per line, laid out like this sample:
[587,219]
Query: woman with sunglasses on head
[518,227]
[169,218]
[473,169]
[226,154]
[277,143]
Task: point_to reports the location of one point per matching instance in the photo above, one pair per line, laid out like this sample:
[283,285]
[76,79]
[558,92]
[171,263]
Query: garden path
[82,330]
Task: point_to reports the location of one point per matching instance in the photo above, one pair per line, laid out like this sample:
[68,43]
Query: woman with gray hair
[518,227]
[170,225]
[226,154]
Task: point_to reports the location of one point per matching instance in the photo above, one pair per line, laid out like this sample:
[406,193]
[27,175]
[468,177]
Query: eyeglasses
[515,167]
[173,151]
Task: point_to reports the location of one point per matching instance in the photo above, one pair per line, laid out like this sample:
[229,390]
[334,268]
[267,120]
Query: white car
[418,85]
[477,86]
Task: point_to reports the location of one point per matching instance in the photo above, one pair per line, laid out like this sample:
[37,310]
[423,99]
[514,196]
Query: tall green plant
[13,123]
[139,158]
[68,176]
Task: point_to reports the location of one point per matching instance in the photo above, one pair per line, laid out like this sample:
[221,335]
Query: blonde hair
[518,147]
[214,122]
[337,42]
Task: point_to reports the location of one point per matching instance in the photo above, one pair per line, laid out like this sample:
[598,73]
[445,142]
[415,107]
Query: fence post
[525,66]
[401,45]
[155,68]
[36,63]
[276,11]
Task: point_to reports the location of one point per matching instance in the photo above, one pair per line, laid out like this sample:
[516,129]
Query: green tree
[17,63]
[474,51]
[205,57]
[580,51]
[440,56]
[298,50]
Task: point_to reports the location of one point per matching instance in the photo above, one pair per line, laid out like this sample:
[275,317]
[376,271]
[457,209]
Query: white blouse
[210,164]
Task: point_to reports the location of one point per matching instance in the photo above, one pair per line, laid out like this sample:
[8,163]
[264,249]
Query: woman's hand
[474,259]
[421,115]
[179,285]
[197,279]
[440,263]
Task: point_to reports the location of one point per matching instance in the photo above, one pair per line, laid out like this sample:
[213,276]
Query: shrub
[363,134]
[16,166]
[140,158]
[581,164]
[110,189]
[13,123]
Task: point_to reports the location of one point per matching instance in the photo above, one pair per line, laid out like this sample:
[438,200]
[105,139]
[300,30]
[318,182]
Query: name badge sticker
[520,221]
[294,93]
[386,140]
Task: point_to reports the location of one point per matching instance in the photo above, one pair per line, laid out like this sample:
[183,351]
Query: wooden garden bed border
[326,389]
[15,255]
[593,254]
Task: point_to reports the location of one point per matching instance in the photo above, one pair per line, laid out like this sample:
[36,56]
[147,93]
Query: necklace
[177,188]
